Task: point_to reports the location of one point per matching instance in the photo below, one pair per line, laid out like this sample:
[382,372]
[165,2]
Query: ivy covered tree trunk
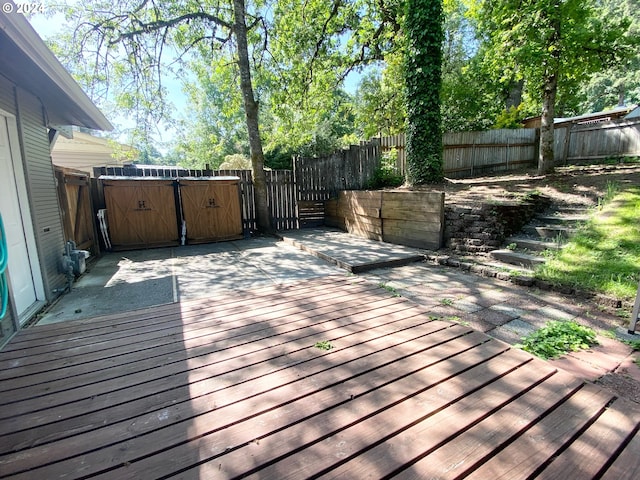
[423,72]
[251,113]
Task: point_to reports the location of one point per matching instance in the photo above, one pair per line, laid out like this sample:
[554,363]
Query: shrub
[557,338]
[387,175]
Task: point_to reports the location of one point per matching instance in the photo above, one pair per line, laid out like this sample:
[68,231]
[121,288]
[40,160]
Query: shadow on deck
[236,387]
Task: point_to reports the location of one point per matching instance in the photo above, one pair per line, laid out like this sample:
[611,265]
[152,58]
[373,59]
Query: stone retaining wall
[481,228]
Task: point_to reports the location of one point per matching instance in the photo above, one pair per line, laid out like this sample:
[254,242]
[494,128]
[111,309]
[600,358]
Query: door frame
[19,178]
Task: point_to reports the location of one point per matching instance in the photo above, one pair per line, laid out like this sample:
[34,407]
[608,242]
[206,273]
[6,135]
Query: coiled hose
[4,258]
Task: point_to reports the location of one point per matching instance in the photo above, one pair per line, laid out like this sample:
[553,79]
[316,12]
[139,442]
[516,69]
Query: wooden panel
[236,387]
[311,213]
[74,195]
[141,213]
[211,209]
[415,219]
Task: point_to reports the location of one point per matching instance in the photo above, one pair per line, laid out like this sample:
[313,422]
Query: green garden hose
[4,287]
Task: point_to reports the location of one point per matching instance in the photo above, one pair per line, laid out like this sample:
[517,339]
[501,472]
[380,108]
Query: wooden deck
[236,387]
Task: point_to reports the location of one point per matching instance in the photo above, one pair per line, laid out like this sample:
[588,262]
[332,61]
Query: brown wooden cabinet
[211,208]
[145,212]
[141,212]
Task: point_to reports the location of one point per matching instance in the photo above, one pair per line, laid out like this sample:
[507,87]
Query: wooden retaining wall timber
[411,218]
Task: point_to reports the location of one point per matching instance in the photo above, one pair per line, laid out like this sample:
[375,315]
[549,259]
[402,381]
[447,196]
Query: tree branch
[160,24]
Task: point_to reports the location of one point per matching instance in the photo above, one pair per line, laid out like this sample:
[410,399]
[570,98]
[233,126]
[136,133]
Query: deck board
[236,387]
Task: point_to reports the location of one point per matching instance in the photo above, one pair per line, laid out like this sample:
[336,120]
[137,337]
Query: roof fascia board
[25,37]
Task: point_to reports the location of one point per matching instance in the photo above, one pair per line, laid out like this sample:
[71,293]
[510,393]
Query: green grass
[557,338]
[604,254]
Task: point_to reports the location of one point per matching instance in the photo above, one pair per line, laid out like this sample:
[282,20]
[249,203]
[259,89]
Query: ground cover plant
[604,254]
[557,338]
[324,345]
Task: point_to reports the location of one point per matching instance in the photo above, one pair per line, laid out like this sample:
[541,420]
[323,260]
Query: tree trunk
[545,159]
[251,115]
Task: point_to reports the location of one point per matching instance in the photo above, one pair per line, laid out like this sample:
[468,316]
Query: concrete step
[561,219]
[525,243]
[549,231]
[516,258]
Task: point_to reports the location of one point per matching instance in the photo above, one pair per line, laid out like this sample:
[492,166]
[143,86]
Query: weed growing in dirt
[557,338]
[446,301]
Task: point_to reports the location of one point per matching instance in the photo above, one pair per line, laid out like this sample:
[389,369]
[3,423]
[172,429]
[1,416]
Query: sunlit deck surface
[237,387]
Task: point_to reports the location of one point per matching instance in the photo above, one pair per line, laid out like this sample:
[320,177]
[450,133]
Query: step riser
[515,258]
[535,246]
[549,232]
[566,221]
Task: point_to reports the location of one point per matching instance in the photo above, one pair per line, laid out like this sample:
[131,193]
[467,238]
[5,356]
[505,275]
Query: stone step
[516,258]
[525,243]
[549,231]
[562,219]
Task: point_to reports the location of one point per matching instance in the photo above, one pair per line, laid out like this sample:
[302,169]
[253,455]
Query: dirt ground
[570,186]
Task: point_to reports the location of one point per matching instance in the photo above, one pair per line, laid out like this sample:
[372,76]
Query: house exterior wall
[40,181]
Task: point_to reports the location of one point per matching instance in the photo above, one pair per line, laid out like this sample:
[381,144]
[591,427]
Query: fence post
[567,139]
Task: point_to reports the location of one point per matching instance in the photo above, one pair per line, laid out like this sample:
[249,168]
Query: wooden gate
[211,208]
[141,212]
[74,195]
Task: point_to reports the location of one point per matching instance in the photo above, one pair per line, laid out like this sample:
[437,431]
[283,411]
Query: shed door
[211,210]
[24,272]
[141,213]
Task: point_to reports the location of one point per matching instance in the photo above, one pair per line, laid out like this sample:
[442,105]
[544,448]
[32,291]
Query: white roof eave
[20,31]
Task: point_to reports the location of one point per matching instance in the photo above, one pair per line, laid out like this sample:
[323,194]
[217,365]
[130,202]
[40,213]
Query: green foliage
[381,110]
[604,254]
[278,157]
[509,118]
[423,78]
[557,338]
[237,161]
[324,345]
[635,344]
[386,175]
[607,87]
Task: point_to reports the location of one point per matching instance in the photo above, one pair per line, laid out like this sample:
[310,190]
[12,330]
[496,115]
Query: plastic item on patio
[104,227]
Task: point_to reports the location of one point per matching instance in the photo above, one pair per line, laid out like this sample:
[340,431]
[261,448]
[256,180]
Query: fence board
[602,140]
[74,194]
[467,154]
[321,178]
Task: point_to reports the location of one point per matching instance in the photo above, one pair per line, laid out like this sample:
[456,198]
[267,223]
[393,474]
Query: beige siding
[42,190]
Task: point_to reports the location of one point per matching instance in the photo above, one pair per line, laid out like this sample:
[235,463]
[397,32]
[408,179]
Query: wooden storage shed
[141,211]
[211,208]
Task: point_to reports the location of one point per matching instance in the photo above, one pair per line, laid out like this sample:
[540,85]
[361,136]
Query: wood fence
[583,142]
[321,178]
[74,195]
[467,154]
